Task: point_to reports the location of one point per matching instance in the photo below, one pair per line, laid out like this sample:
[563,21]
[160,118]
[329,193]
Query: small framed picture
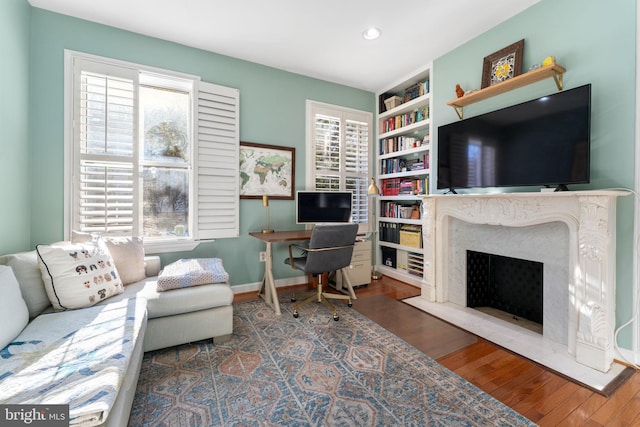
[503,64]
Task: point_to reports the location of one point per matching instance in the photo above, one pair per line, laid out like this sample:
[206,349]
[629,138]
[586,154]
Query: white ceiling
[321,39]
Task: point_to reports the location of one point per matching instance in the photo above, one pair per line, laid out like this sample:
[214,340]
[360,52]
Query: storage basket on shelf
[411,235]
[392,102]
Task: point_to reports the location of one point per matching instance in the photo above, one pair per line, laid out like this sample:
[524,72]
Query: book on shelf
[400,210]
[405,119]
[418,163]
[389,256]
[416,90]
[405,186]
[389,232]
[390,186]
[401,143]
[421,185]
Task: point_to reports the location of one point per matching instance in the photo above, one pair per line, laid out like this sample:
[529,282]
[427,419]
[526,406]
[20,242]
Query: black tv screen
[544,142]
[314,207]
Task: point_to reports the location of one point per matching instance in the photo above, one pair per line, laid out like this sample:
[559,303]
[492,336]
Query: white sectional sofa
[143,319]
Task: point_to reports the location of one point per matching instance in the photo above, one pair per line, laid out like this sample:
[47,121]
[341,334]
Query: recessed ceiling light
[371,33]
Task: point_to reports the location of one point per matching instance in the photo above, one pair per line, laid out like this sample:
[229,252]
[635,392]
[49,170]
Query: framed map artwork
[267,170]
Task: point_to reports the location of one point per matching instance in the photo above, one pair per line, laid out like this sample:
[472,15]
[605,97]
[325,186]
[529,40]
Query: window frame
[197,170]
[344,114]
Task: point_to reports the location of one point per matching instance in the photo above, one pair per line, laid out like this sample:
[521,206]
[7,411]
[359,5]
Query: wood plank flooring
[540,395]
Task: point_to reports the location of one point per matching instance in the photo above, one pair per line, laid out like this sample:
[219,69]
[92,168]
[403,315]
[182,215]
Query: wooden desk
[268,289]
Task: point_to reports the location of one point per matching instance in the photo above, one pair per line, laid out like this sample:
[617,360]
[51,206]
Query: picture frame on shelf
[267,170]
[503,64]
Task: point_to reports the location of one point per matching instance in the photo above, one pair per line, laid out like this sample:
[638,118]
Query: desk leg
[268,290]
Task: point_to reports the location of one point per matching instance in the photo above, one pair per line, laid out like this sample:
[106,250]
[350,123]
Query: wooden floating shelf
[554,70]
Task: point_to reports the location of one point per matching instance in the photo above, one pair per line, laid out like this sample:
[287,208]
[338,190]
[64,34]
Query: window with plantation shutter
[338,144]
[149,153]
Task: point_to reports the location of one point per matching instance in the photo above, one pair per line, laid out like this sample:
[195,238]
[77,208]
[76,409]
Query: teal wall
[272,111]
[14,126]
[595,42]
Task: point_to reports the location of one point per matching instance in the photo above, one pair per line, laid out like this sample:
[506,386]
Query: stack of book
[405,186]
[416,90]
[406,119]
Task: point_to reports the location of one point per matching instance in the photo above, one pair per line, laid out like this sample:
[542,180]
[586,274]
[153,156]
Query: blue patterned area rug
[310,371]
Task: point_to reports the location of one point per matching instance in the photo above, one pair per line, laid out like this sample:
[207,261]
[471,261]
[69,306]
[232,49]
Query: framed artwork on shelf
[503,64]
[267,170]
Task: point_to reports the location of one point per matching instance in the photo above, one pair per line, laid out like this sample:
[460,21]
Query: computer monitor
[315,207]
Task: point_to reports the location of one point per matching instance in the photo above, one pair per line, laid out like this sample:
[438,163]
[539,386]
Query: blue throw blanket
[78,357]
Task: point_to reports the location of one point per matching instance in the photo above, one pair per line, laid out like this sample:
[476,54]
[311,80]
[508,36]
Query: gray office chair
[330,249]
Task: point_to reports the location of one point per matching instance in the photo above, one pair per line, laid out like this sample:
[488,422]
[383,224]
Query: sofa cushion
[14,314]
[78,275]
[25,267]
[178,301]
[127,253]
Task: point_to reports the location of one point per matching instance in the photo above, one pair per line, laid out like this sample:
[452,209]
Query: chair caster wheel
[293,299]
[350,304]
[295,314]
[336,317]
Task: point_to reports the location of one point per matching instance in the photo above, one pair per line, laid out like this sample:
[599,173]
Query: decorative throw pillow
[78,275]
[127,253]
[186,273]
[14,314]
[25,268]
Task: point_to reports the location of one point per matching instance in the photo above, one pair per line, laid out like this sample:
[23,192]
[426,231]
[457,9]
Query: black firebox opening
[507,284]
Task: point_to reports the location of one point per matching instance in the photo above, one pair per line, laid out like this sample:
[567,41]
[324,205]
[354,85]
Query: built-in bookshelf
[403,172]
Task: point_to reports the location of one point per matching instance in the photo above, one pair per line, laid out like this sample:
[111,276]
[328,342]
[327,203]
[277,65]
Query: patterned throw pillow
[127,252]
[78,275]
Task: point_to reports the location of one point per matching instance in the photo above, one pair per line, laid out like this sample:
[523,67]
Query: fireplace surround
[572,232]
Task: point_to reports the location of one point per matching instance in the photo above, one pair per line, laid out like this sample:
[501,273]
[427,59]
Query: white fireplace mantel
[591,220]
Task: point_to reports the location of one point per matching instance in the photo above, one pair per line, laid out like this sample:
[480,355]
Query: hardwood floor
[540,395]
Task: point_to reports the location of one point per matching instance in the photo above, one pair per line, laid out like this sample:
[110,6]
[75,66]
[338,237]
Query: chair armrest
[301,248]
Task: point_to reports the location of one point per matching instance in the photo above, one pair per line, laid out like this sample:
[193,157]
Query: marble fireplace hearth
[571,233]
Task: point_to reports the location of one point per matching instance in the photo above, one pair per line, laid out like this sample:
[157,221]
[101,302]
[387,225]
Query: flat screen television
[543,142]
[315,207]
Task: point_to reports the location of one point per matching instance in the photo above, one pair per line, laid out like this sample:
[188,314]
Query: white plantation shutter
[217,162]
[106,129]
[106,197]
[104,165]
[327,145]
[339,148]
[357,167]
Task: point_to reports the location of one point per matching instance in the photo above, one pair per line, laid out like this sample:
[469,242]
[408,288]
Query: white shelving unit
[403,161]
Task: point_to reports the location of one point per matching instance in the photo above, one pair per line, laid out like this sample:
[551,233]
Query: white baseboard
[628,356]
[280,283]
